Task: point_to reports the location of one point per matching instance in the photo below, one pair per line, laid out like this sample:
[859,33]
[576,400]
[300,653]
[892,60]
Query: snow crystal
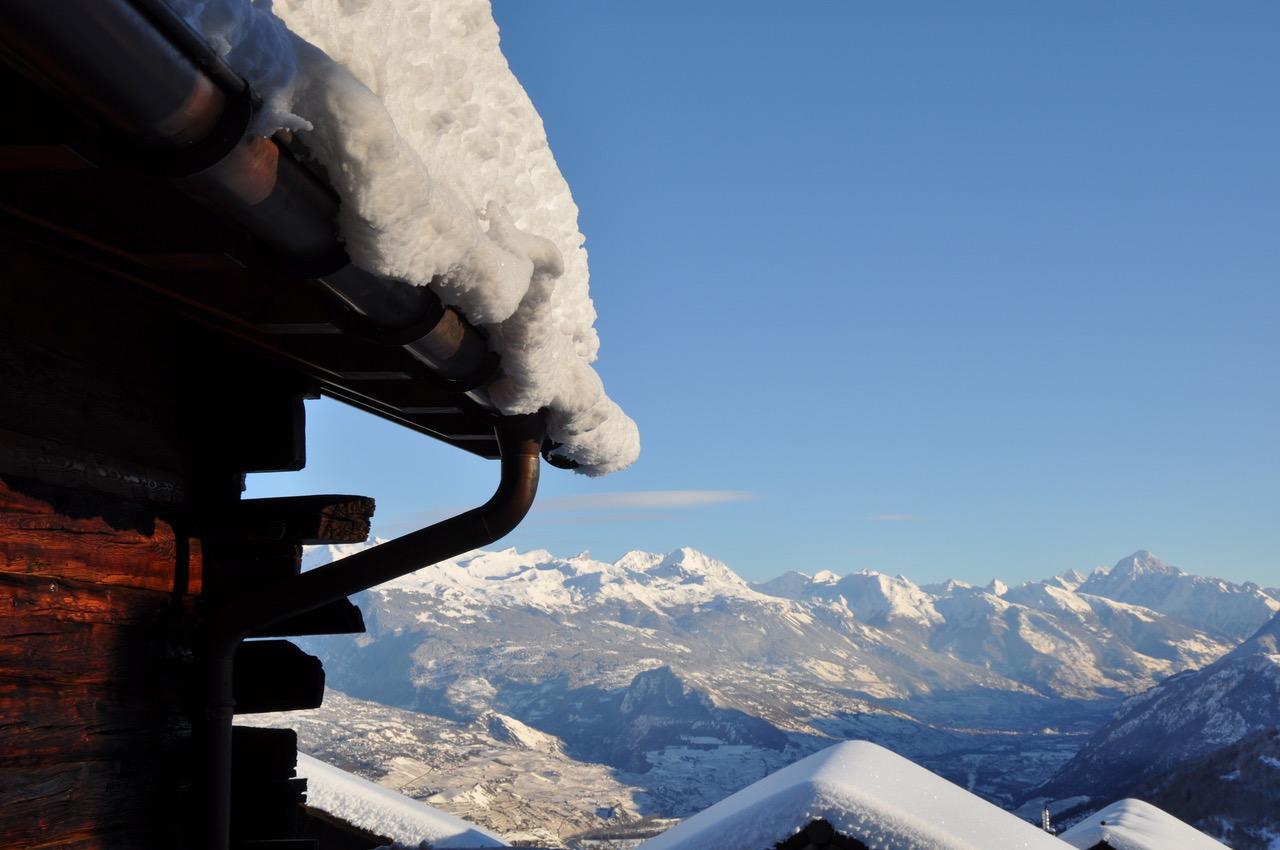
[1136,825]
[444,172]
[864,791]
[383,811]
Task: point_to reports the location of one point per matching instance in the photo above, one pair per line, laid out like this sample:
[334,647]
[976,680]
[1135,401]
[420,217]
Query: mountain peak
[877,599]
[690,565]
[1143,563]
[661,691]
[1073,578]
[509,730]
[638,561]
[790,585]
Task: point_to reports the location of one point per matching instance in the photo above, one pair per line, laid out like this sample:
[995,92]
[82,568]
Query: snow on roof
[1135,825]
[445,174]
[865,792]
[383,811]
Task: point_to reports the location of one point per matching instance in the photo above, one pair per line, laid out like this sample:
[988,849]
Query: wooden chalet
[820,835]
[170,295]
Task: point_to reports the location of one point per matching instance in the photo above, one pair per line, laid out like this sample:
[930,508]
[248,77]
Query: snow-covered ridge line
[446,180]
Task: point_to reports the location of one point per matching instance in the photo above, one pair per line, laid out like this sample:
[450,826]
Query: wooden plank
[46,157]
[263,753]
[261,432]
[269,809]
[232,566]
[26,597]
[77,653]
[65,534]
[195,568]
[405,394]
[374,403]
[350,357]
[48,395]
[308,520]
[37,459]
[336,618]
[124,803]
[59,630]
[43,722]
[274,675]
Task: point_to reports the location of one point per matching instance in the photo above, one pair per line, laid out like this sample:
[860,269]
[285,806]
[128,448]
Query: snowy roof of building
[446,181]
[1137,825]
[866,792]
[385,812]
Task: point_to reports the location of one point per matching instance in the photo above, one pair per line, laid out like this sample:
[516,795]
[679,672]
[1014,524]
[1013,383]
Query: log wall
[95,648]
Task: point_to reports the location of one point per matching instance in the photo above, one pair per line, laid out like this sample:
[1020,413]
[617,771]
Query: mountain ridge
[1183,718]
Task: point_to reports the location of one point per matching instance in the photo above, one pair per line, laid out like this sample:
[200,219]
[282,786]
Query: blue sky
[972,290]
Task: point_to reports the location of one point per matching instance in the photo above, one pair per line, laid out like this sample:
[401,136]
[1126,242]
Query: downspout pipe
[519,440]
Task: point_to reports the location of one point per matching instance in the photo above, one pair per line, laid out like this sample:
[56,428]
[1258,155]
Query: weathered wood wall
[95,643]
[124,434]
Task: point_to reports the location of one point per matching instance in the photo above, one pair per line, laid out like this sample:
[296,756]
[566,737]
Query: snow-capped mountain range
[689,682]
[1112,634]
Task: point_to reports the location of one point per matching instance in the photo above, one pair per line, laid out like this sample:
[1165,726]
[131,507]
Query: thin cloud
[893,518]
[598,519]
[645,500]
